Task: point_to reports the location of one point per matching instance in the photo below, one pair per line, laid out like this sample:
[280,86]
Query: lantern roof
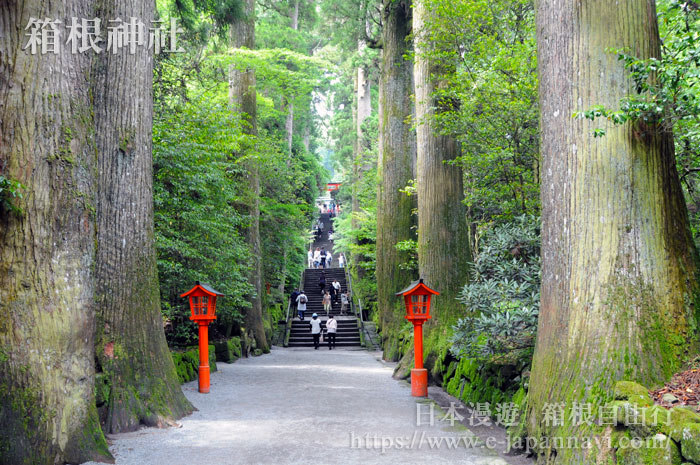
[416,286]
[204,287]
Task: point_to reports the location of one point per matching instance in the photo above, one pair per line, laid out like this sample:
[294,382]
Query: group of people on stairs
[320,258]
[334,296]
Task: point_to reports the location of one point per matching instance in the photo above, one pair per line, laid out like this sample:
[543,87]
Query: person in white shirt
[341,261]
[329,259]
[336,290]
[317,257]
[310,258]
[331,329]
[315,325]
[301,304]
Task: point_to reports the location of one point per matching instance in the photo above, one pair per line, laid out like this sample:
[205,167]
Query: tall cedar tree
[396,166]
[443,245]
[243,99]
[130,342]
[47,308]
[618,261]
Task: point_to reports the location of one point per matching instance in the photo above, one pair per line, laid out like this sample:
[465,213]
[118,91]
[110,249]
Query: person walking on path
[343,303]
[322,282]
[310,258]
[341,260]
[331,329]
[329,259]
[315,325]
[301,304]
[327,303]
[336,290]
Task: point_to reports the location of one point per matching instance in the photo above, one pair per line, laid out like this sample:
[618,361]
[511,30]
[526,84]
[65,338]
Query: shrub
[503,296]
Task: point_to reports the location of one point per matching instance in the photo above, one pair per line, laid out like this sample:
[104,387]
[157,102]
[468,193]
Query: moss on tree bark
[47,311]
[396,166]
[619,284]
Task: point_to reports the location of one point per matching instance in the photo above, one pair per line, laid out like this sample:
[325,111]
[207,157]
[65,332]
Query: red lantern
[417,300]
[203,308]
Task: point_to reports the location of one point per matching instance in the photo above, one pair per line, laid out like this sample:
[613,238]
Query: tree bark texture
[130,343]
[243,99]
[47,405]
[443,244]
[619,286]
[396,165]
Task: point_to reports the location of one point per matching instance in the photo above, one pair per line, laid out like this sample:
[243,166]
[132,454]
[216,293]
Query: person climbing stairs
[348,334]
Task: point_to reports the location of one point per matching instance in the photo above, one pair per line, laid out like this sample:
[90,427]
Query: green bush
[502,299]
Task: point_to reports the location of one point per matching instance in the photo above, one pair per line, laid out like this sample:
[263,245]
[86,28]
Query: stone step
[348,330]
[324,344]
[307,334]
[337,338]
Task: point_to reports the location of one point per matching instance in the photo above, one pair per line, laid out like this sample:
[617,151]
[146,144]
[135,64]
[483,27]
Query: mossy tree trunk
[47,405]
[443,244]
[244,100]
[396,165]
[130,342]
[618,262]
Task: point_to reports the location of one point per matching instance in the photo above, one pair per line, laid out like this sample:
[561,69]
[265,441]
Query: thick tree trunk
[243,99]
[47,405]
[397,147]
[443,241]
[618,261]
[130,342]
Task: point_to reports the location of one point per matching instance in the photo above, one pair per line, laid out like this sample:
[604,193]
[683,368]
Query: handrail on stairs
[287,326]
[359,315]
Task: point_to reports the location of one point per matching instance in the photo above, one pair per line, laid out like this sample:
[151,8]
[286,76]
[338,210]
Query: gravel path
[301,406]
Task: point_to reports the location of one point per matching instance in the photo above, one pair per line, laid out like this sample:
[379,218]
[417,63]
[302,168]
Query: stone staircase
[348,334]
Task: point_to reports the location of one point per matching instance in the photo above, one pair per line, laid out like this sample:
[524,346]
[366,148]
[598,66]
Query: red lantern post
[203,308]
[417,300]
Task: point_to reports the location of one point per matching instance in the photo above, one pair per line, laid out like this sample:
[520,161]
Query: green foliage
[10,192]
[273,28]
[487,99]
[502,300]
[201,159]
[280,71]
[359,242]
[197,223]
[411,247]
[200,18]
